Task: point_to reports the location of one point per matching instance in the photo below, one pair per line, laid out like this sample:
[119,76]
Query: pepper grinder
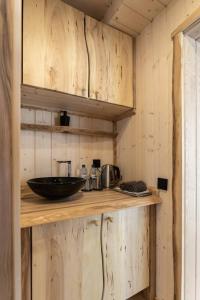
[64,118]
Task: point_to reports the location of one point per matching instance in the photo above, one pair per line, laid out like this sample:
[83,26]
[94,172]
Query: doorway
[186,163]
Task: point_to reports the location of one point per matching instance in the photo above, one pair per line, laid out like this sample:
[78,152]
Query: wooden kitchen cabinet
[101,257]
[66,51]
[126,252]
[66,260]
[54,47]
[111,63]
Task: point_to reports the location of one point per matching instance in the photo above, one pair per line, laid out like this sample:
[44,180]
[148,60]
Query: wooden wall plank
[28,146]
[10,75]
[43,146]
[41,150]
[26,250]
[73,142]
[59,150]
[154,56]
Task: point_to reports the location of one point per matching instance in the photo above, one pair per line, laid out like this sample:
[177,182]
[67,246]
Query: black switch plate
[162,184]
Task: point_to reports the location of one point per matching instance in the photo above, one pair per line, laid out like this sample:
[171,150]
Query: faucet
[69,166]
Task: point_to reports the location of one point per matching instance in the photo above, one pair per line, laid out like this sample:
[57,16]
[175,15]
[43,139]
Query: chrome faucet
[69,166]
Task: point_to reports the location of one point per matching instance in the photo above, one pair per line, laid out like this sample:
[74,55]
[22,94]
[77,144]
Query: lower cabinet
[66,260]
[96,258]
[126,253]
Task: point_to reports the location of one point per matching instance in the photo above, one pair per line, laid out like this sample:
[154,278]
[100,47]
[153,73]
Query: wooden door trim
[177,165]
[10,80]
[194,17]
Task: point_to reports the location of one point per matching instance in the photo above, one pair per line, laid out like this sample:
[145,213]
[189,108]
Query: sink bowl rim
[37,180]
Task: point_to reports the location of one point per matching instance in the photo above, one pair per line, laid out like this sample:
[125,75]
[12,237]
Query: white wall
[149,151]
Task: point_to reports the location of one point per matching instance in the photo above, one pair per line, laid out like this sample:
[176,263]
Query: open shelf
[53,100]
[68,129]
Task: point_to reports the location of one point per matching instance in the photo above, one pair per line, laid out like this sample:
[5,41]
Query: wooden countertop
[36,210]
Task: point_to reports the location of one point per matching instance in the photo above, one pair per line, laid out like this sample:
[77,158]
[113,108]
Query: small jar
[64,118]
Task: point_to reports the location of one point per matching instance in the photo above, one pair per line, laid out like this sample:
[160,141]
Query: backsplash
[41,150]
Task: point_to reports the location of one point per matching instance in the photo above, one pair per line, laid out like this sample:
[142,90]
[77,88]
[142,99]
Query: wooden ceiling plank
[146,8]
[130,16]
[125,17]
[164,2]
[112,10]
[115,23]
[94,8]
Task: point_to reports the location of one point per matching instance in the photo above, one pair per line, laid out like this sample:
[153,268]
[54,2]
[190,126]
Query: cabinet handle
[109,219]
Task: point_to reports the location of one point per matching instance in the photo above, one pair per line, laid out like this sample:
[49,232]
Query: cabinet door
[67,261]
[126,253]
[54,47]
[111,63]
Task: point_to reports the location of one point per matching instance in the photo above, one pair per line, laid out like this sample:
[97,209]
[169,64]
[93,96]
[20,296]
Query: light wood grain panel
[66,259]
[148,9]
[154,95]
[10,75]
[132,16]
[26,250]
[69,130]
[58,146]
[49,28]
[36,210]
[106,143]
[111,63]
[93,8]
[177,162]
[34,49]
[45,99]
[73,142]
[124,19]
[59,149]
[27,147]
[126,252]
[43,146]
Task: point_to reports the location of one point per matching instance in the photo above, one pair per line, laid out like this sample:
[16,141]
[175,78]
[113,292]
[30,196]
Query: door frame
[10,81]
[178,188]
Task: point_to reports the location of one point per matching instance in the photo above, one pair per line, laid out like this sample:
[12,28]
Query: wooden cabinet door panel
[111,63]
[126,253]
[54,47]
[67,261]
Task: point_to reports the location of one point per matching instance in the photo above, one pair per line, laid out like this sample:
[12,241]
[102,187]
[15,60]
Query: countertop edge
[51,216]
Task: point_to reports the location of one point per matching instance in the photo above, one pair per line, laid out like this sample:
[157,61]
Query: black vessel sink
[56,187]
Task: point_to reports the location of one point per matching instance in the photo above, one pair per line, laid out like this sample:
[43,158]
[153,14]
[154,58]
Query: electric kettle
[110,176]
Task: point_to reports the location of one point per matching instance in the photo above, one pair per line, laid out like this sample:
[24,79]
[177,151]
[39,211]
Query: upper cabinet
[66,51]
[111,61]
[54,48]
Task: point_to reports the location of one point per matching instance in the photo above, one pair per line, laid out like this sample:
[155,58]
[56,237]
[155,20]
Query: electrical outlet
[162,184]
